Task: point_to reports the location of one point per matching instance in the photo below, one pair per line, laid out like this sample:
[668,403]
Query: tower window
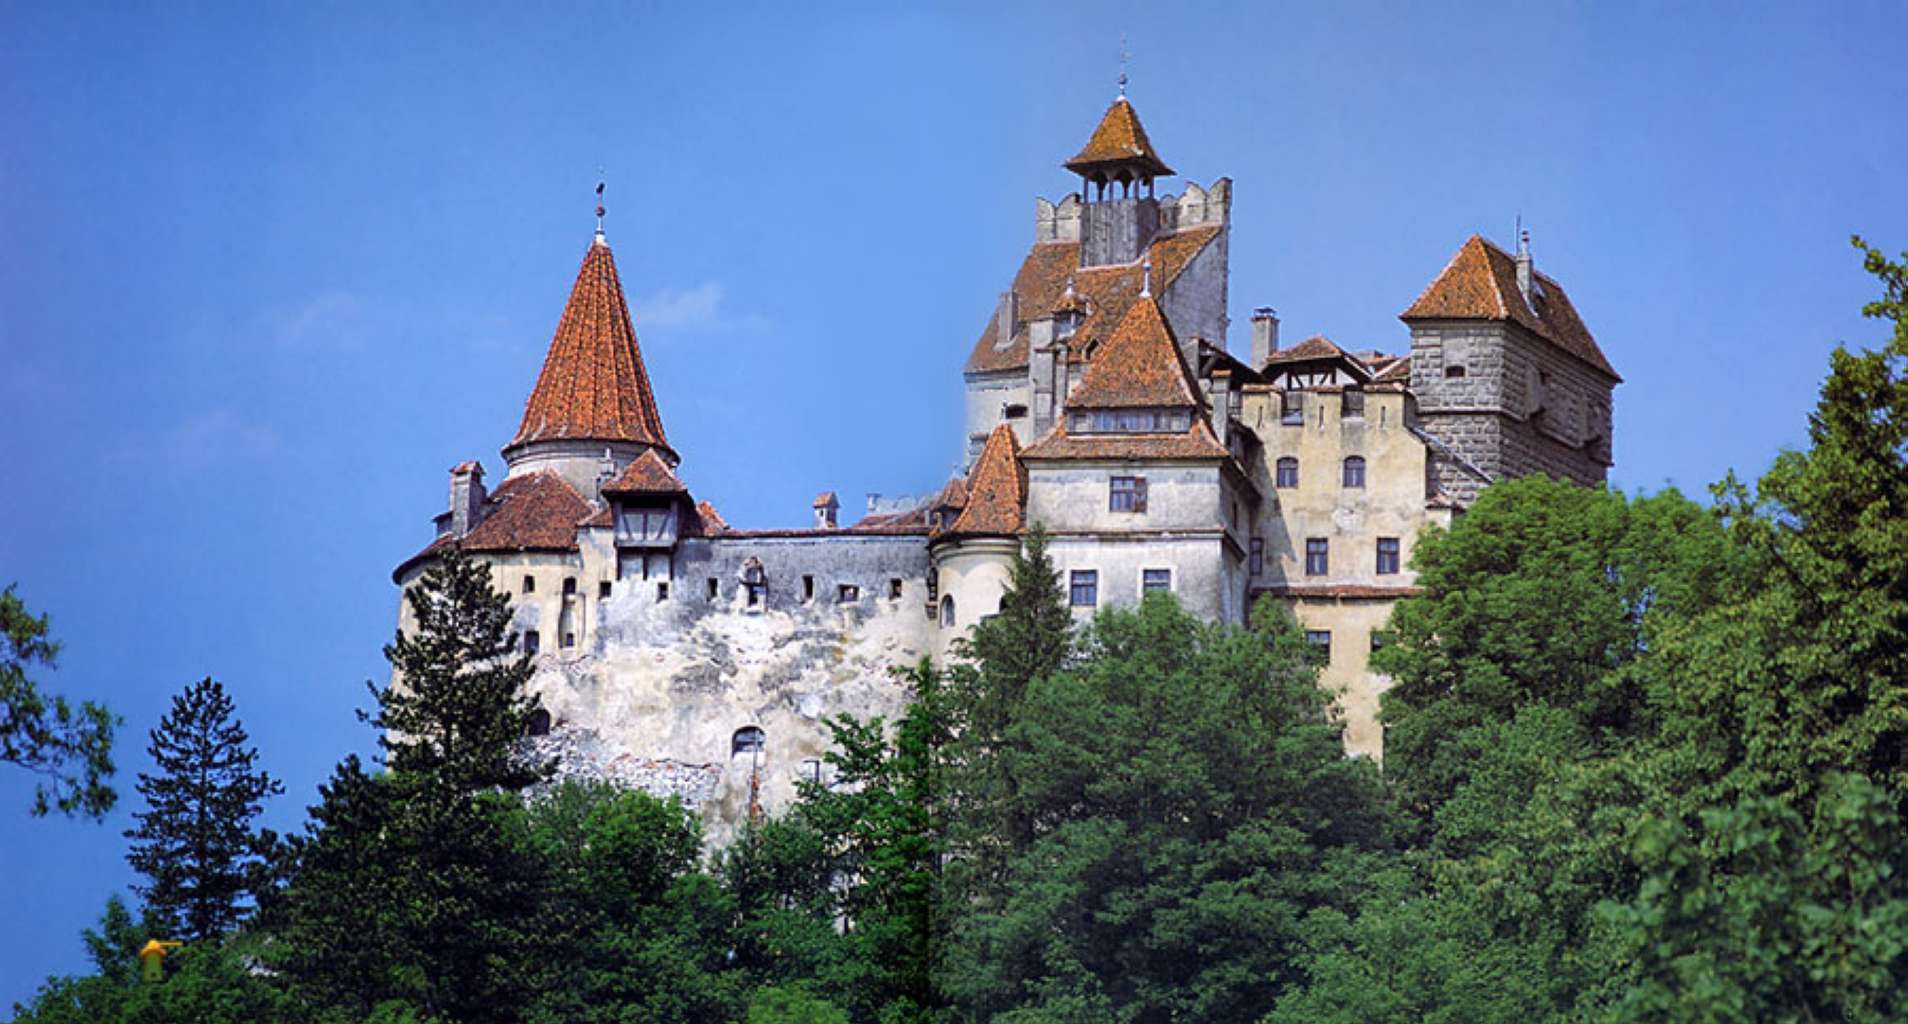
[1292,407]
[529,584]
[1156,579]
[1286,474]
[1354,471]
[1387,555]
[569,585]
[947,610]
[715,588]
[603,589]
[532,641]
[1255,559]
[749,739]
[1083,588]
[1352,405]
[894,588]
[1454,371]
[1126,494]
[1317,556]
[1321,639]
[808,588]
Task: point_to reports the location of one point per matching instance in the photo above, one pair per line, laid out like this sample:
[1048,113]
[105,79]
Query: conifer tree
[195,842]
[457,704]
[71,748]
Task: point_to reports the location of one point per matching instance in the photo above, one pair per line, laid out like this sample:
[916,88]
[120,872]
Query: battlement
[1195,207]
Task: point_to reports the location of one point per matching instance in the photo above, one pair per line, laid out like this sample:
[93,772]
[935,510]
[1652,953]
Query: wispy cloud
[204,439]
[333,318]
[691,309]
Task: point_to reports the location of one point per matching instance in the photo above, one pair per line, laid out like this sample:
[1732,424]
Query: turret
[1116,166]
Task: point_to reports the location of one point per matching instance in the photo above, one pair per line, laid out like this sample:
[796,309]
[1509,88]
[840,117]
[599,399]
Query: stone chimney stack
[826,509]
[466,498]
[1005,317]
[1265,335]
[1524,279]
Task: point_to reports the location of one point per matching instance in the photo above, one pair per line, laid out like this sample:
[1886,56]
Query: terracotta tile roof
[593,385]
[996,489]
[1120,139]
[1336,591]
[1480,283]
[1317,346]
[1397,371]
[1198,443]
[1139,366]
[825,499]
[710,521]
[649,474]
[1109,291]
[954,495]
[537,511]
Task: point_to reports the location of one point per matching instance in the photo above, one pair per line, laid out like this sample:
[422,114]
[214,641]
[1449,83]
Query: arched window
[539,723]
[749,739]
[1354,471]
[1287,475]
[947,610]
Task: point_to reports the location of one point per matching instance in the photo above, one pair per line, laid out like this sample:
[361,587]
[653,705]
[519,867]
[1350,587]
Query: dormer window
[1130,421]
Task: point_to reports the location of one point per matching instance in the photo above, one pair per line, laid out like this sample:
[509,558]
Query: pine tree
[457,705]
[195,842]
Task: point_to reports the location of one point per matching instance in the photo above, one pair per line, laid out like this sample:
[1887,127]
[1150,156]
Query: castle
[681,654]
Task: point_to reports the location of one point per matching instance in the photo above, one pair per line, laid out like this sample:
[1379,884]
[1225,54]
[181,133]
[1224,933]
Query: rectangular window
[603,589]
[1354,475]
[847,593]
[1255,560]
[1387,555]
[1292,408]
[1321,639]
[532,642]
[714,587]
[569,639]
[1353,407]
[1380,639]
[1286,475]
[569,585]
[1083,588]
[662,591]
[1156,579]
[1126,494]
[529,584]
[808,588]
[1317,556]
[894,588]
[1454,371]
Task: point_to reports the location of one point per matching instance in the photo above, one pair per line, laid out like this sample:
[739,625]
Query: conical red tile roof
[1120,139]
[1139,366]
[593,386]
[996,489]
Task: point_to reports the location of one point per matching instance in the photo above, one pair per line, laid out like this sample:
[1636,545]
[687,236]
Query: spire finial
[1124,57]
[1146,277]
[599,204]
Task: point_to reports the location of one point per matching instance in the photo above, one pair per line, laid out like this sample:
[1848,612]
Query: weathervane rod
[1124,57]
[599,202]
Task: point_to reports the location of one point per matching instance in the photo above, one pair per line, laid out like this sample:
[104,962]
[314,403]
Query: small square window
[1321,639]
[569,585]
[569,639]
[529,584]
[847,593]
[532,642]
[603,589]
[662,591]
[1126,494]
[1387,555]
[894,588]
[1317,556]
[1156,579]
[1255,557]
[1083,588]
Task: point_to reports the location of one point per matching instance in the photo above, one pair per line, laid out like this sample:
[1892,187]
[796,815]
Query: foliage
[195,842]
[71,748]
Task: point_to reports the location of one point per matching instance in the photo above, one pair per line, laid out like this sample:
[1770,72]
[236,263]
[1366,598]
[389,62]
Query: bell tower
[1117,167]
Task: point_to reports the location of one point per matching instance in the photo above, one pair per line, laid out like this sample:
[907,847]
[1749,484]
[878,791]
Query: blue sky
[267,272]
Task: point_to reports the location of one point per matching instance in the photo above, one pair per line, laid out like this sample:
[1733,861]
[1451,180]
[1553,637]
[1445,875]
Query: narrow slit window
[808,588]
[1255,558]
[715,588]
[529,584]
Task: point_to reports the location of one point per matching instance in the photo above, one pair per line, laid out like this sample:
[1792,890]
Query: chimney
[1523,268]
[826,508]
[466,498]
[1005,317]
[1265,335]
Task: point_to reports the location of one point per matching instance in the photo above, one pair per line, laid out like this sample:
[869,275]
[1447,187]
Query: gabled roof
[1480,283]
[709,519]
[1198,444]
[648,474]
[1316,347]
[1120,139]
[1109,291]
[536,511]
[1139,366]
[996,488]
[593,385]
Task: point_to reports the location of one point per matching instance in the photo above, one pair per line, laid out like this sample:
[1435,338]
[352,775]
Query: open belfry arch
[1103,402]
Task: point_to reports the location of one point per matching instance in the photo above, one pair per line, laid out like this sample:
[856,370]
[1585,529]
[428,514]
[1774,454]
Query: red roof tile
[1139,366]
[996,489]
[1108,291]
[1480,283]
[1119,139]
[1196,444]
[709,520]
[537,511]
[593,385]
[825,499]
[1317,346]
[648,474]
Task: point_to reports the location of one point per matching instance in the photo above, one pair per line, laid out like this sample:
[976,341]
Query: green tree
[195,842]
[457,704]
[71,748]
[1193,807]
